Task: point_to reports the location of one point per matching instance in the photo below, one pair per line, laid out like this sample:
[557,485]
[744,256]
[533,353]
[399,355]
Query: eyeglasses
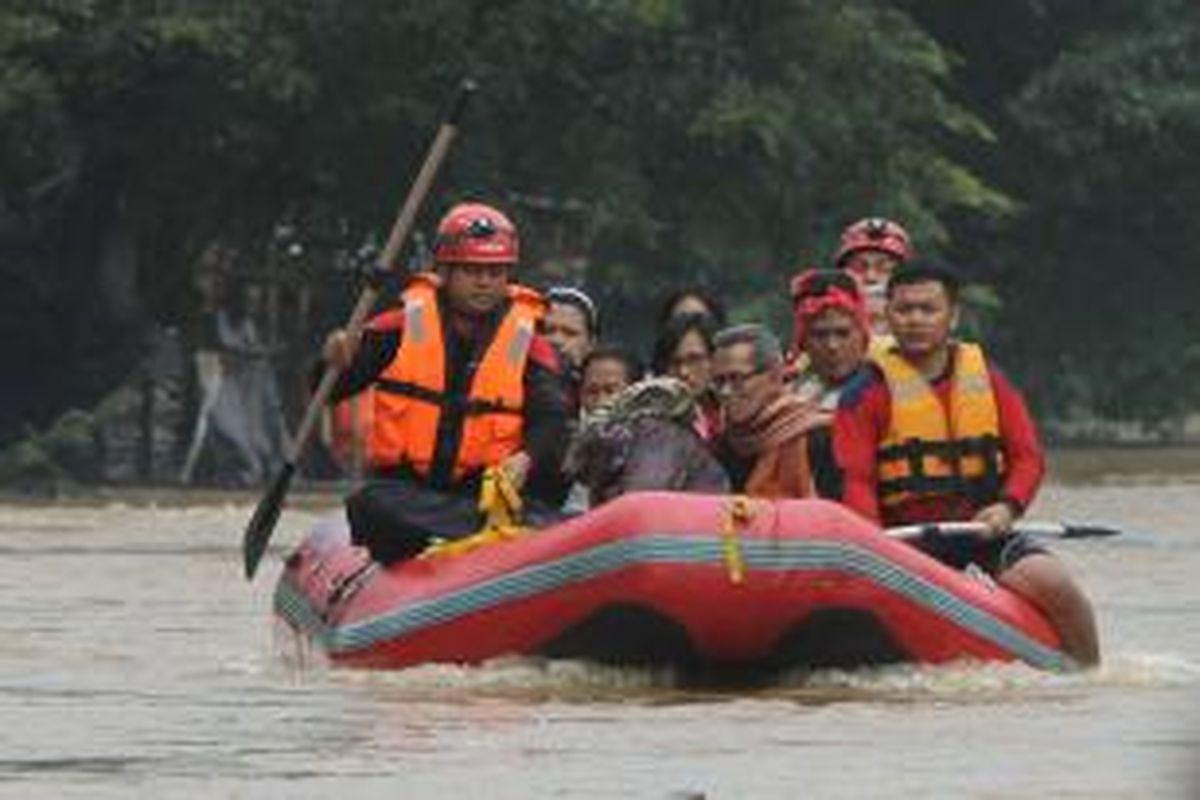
[733,381]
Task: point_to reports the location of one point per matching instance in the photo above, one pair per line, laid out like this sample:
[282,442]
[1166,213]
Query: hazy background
[161,161]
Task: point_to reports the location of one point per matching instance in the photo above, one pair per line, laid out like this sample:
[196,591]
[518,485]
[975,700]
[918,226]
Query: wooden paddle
[1049,530]
[262,524]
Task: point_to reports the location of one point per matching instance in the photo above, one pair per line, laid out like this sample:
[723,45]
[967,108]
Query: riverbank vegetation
[1046,147]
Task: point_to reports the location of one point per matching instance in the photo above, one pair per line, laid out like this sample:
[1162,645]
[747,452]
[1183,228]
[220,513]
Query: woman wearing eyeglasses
[684,350]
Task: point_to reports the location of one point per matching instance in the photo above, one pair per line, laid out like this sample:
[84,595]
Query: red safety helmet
[474,233]
[875,233]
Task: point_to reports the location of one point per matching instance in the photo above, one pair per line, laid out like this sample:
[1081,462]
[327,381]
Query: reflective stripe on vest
[412,389]
[928,452]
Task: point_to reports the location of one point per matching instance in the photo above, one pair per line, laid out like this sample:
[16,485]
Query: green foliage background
[1047,147]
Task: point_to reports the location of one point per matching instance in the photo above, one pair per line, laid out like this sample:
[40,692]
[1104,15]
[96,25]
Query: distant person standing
[239,392]
[250,354]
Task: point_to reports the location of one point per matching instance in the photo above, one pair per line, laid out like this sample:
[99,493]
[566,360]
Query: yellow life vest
[411,394]
[929,452]
[881,344]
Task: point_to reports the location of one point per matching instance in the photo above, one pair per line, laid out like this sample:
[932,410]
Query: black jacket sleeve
[546,432]
[827,477]
[375,352]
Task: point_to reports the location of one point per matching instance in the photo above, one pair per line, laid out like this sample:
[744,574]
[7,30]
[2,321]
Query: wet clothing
[866,418]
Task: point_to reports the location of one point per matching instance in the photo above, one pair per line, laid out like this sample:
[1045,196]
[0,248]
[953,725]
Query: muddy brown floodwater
[136,662]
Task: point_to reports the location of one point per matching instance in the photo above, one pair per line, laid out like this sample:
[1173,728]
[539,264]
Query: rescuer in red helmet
[871,249]
[462,384]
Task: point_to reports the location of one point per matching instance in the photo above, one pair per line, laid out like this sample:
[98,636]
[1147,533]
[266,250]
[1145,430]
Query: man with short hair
[764,445]
[463,384]
[934,432]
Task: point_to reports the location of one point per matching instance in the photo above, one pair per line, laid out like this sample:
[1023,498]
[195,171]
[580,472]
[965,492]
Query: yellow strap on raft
[500,503]
[739,512]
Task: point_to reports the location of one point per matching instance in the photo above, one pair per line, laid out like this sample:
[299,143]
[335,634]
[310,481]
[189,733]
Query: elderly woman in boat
[645,440]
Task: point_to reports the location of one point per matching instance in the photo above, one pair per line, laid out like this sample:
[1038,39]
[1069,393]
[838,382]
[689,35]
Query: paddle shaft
[1051,530]
[266,514]
[385,264]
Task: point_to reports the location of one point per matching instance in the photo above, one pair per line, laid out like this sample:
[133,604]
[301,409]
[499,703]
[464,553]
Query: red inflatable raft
[692,581]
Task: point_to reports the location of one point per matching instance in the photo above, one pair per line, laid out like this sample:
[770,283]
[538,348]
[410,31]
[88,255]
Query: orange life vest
[927,451]
[348,424]
[411,394]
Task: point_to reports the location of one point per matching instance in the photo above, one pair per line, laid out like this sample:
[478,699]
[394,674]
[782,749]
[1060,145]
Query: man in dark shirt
[462,383]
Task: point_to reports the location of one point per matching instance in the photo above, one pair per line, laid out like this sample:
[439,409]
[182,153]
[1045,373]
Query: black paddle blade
[1087,532]
[262,524]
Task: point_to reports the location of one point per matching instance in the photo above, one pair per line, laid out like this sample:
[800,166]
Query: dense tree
[1097,107]
[1043,144]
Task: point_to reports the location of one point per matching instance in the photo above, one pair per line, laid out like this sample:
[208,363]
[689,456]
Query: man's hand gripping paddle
[266,515]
